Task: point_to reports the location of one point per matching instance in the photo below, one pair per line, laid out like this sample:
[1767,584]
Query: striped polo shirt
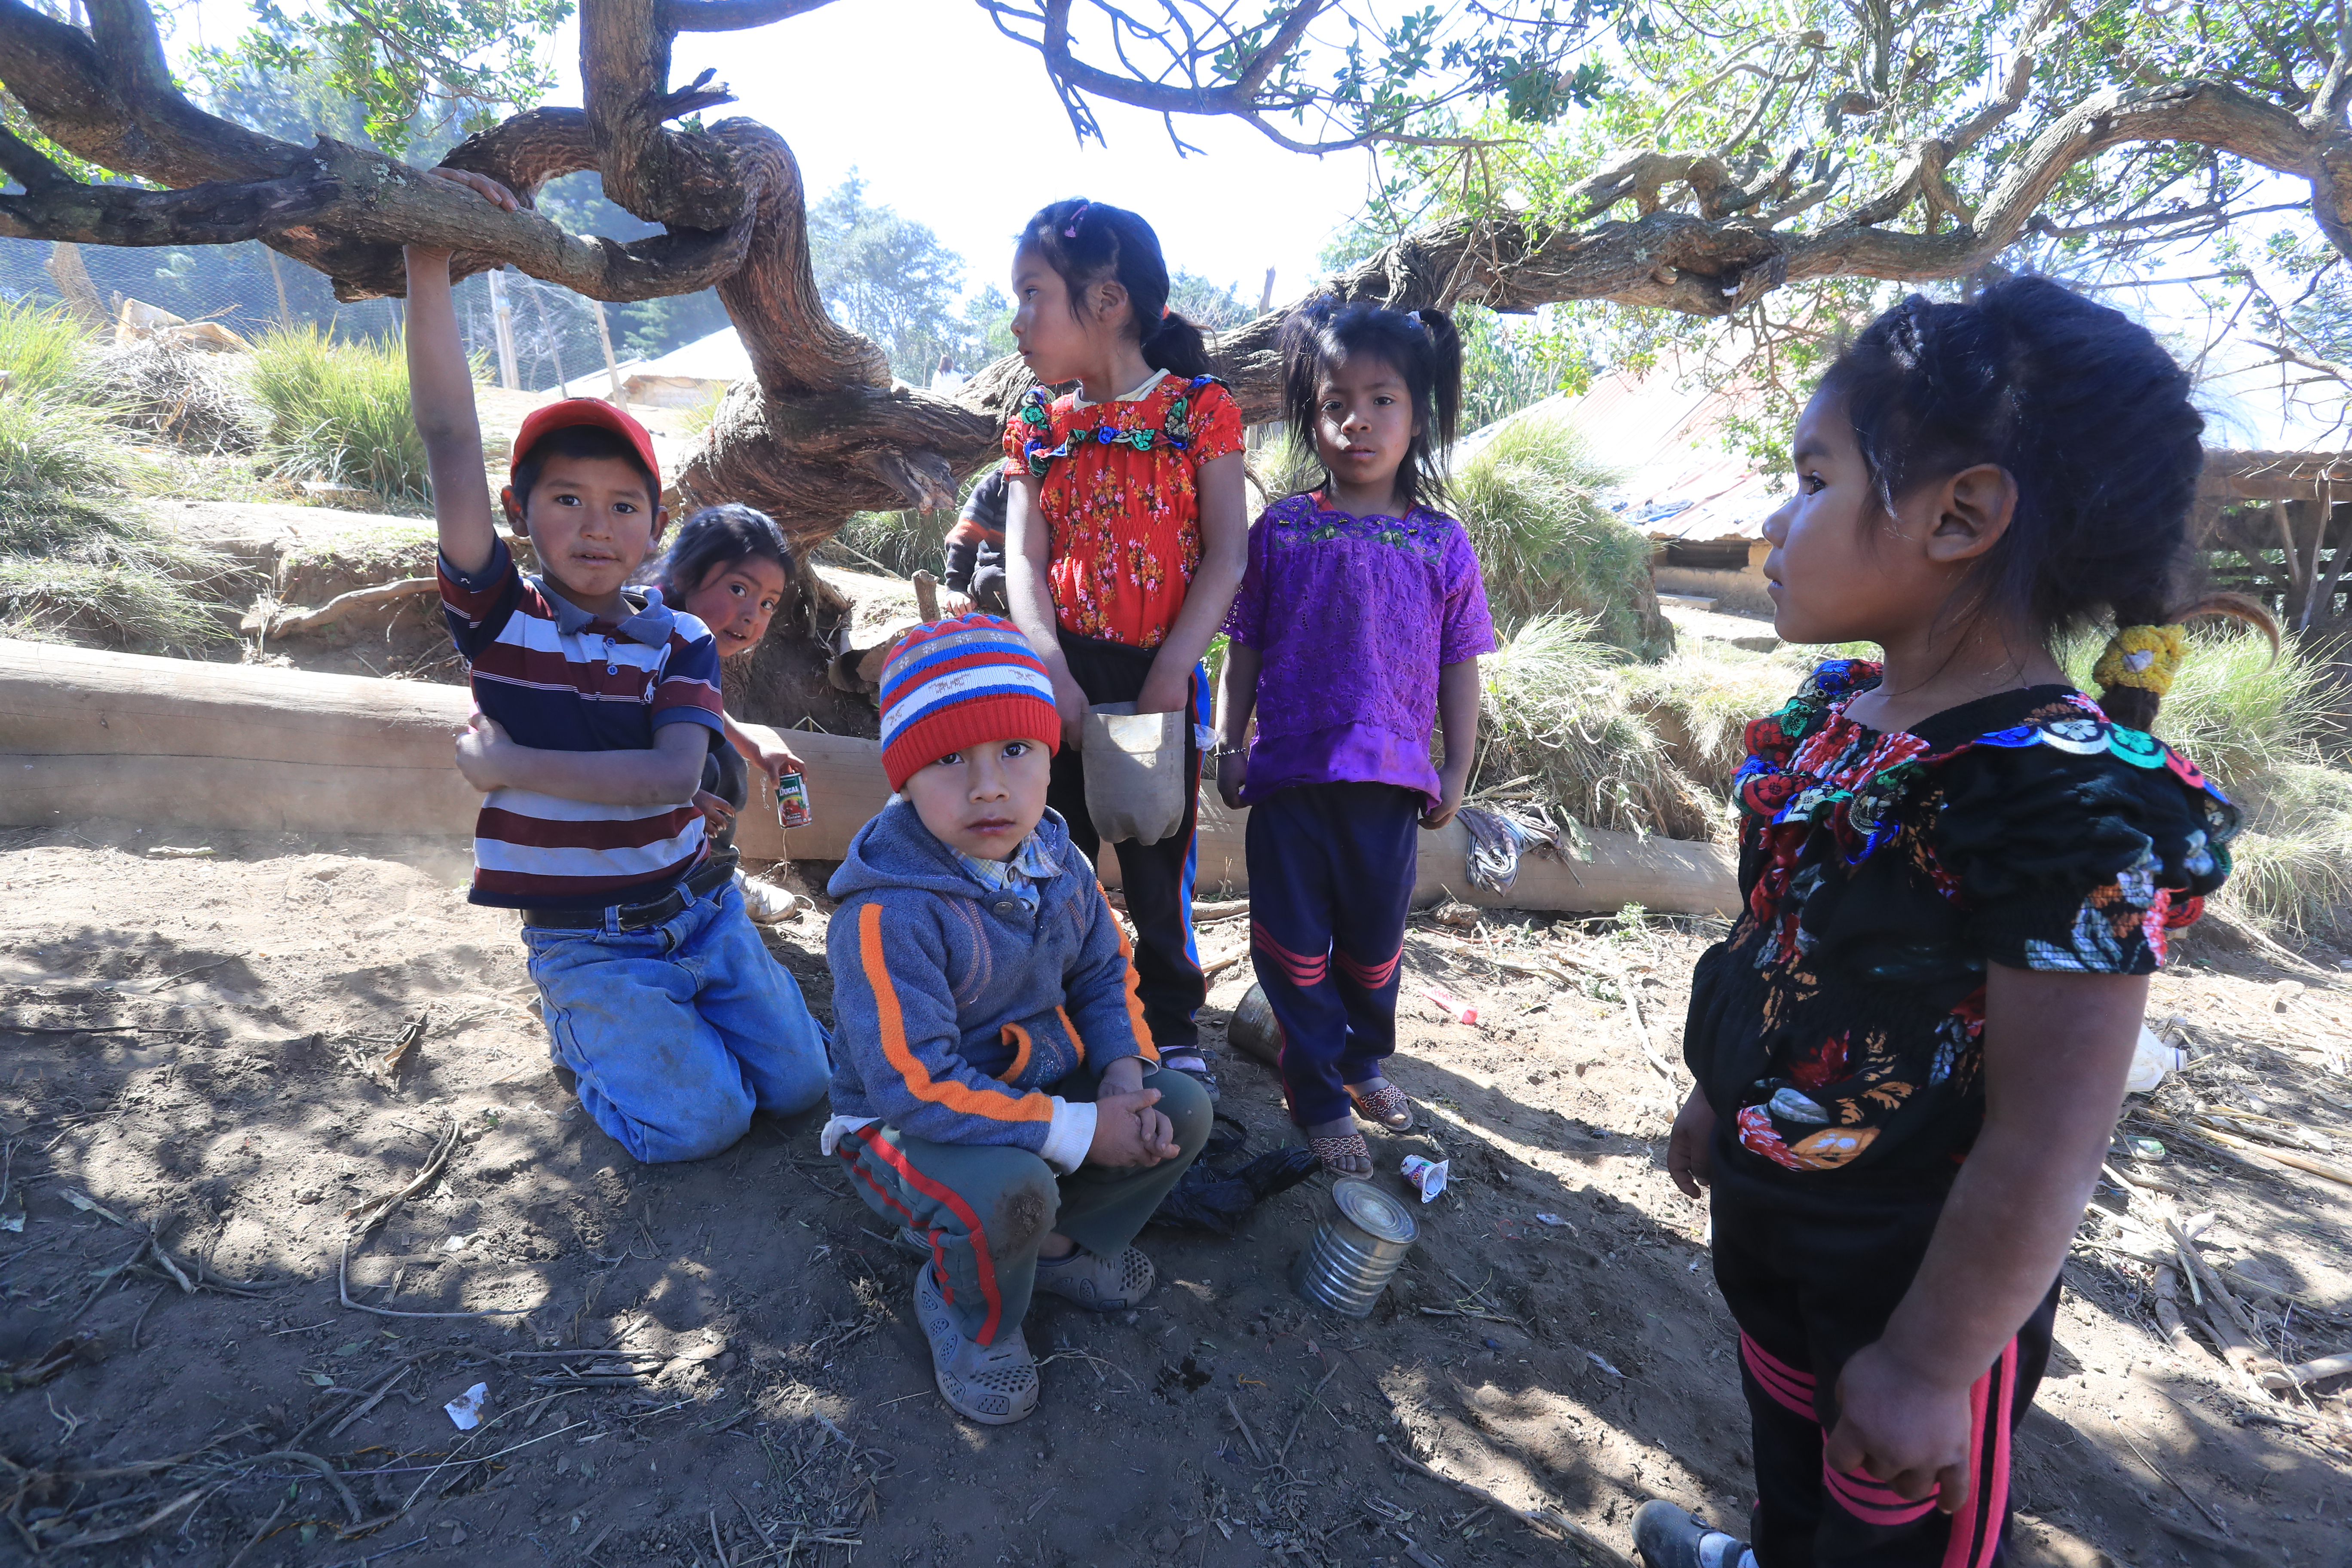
[558,679]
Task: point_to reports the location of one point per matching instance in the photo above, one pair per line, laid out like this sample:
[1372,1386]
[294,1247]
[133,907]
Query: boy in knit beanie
[995,1092]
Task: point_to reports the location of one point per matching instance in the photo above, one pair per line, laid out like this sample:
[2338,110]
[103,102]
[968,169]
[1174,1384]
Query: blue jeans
[679,1032]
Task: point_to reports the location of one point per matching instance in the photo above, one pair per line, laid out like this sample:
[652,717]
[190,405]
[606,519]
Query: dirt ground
[717,1364]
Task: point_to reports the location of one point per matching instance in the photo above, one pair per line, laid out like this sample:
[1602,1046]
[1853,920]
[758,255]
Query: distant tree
[988,328]
[642,329]
[1216,307]
[886,278]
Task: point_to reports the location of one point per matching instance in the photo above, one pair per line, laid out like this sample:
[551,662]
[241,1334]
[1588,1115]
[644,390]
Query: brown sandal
[1347,1146]
[1386,1105]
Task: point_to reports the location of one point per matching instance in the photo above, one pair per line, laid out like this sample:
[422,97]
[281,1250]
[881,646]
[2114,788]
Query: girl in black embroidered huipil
[1957,873]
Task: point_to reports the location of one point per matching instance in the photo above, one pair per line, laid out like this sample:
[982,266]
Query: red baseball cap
[593,411]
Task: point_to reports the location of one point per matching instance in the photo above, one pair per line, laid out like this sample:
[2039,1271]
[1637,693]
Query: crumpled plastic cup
[1427,1176]
[466,1410]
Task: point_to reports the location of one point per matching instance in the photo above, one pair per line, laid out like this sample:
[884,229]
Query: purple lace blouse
[1352,617]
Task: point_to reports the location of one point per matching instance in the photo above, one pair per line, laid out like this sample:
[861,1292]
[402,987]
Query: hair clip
[1070,230]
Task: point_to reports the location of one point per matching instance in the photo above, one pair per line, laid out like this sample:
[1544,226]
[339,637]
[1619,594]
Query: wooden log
[286,621]
[178,743]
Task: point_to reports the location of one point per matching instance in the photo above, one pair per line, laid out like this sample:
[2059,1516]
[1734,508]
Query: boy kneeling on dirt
[596,707]
[995,1090]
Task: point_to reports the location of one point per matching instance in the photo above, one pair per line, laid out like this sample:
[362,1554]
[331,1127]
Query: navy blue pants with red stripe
[985,1208]
[1812,1272]
[1331,873]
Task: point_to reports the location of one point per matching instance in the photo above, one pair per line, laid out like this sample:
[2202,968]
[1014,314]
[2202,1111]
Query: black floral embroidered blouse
[1837,1029]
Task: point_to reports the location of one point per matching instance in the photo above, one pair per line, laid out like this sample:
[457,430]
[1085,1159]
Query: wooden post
[72,278]
[2320,600]
[547,330]
[278,277]
[502,319]
[612,365]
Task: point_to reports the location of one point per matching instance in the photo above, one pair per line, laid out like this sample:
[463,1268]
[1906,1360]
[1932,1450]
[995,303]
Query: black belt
[713,873]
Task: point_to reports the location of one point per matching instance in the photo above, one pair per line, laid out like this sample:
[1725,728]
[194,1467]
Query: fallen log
[173,742]
[285,621]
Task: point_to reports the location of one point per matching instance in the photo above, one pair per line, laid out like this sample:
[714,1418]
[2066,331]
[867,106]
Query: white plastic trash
[466,1410]
[2152,1059]
[1135,773]
[1427,1176]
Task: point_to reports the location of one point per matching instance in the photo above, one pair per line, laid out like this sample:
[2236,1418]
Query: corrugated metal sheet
[1680,481]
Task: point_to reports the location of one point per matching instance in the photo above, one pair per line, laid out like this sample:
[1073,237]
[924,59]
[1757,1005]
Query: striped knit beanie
[953,684]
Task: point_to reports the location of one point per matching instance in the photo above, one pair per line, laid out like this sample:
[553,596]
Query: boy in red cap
[996,1093]
[597,708]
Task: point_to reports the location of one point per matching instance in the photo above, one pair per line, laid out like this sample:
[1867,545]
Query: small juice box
[793,801]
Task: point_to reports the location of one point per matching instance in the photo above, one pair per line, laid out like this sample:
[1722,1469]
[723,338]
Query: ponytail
[1176,346]
[2138,667]
[1085,242]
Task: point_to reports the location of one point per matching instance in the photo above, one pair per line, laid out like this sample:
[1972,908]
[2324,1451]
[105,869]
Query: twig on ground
[1313,1397]
[255,1540]
[1247,1435]
[1542,1520]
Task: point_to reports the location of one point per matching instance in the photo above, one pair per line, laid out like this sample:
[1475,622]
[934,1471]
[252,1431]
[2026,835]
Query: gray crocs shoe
[1098,1283]
[1667,1537]
[993,1384]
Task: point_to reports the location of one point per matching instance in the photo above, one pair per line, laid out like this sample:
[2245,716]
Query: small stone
[308,1195]
[1165,1541]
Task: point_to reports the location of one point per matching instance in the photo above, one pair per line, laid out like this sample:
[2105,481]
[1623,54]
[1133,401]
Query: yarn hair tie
[2144,657]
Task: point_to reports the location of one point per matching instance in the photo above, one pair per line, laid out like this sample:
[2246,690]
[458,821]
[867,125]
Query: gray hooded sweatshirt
[957,1011]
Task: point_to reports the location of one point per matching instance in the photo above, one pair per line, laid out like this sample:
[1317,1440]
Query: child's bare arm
[666,773]
[2056,1047]
[763,748]
[1236,699]
[1457,715]
[1225,556]
[441,397]
[1028,543]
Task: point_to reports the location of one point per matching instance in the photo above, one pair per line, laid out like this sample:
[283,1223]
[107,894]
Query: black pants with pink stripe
[1331,872]
[1811,1272]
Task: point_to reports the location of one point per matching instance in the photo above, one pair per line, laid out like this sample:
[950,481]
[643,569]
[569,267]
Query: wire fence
[555,338]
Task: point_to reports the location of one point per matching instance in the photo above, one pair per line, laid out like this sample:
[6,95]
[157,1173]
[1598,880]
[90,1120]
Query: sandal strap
[1386,1105]
[1348,1145]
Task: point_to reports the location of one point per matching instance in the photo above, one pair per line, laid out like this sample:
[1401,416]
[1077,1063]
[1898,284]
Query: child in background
[997,1094]
[975,550]
[1958,872]
[1125,534]
[596,713]
[729,568]
[1358,628]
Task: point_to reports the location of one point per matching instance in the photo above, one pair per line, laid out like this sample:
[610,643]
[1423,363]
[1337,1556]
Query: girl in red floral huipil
[1125,535]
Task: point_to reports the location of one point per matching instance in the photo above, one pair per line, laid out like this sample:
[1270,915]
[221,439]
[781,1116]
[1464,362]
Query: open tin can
[1356,1250]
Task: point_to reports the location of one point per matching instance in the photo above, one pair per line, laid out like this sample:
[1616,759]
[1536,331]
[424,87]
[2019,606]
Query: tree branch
[680,178]
[729,16]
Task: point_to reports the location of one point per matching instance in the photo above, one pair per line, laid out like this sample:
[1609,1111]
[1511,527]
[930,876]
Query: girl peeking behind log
[730,568]
[1958,872]
[1124,530]
[1357,632]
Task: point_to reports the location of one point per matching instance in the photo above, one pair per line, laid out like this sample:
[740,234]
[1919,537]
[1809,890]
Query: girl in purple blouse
[1356,635]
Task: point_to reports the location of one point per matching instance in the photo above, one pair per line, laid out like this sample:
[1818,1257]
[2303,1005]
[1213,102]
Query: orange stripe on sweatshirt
[955,1096]
[1021,1042]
